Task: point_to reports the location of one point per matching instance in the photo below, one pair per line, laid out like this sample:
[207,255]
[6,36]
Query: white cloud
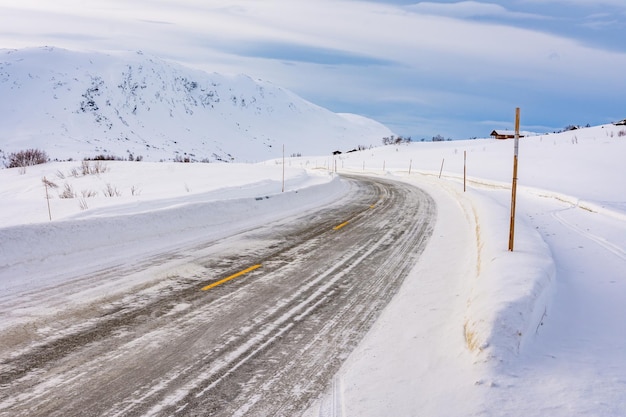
[431,44]
[585,3]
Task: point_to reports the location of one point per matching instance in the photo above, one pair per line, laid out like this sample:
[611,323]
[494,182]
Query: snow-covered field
[475,330]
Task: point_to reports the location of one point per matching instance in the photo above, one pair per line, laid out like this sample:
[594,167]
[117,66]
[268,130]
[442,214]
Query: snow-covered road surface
[267,342]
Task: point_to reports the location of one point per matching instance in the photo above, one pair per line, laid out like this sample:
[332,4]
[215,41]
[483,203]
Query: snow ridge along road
[267,342]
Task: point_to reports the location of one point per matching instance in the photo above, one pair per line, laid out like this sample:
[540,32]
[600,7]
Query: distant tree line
[393,140]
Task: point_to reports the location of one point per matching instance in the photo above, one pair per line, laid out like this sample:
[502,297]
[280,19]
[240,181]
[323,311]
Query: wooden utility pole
[514,186]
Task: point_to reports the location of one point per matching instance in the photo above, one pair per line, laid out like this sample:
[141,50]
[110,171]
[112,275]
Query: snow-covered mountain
[76,104]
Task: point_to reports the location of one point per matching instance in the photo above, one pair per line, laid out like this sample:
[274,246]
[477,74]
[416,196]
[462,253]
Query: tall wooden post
[514,186]
[464,169]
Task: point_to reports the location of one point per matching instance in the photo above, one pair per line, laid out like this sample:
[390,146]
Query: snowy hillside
[76,105]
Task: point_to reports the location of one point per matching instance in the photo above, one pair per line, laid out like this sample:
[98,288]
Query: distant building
[505,134]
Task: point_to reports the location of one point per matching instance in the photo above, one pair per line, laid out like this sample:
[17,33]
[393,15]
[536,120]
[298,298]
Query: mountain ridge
[75,105]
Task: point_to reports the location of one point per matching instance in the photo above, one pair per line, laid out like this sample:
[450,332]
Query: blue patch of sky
[595,24]
[468,108]
[599,26]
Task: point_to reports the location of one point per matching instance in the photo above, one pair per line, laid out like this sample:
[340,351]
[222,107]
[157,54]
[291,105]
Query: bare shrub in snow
[93,168]
[89,193]
[99,168]
[103,157]
[82,203]
[68,192]
[111,191]
[179,158]
[48,183]
[26,158]
[84,168]
[134,190]
[621,133]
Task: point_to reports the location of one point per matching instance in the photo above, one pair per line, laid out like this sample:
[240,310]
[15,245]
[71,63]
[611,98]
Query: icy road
[253,324]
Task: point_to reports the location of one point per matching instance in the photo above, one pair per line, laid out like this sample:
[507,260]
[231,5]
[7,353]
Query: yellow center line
[339,226]
[238,274]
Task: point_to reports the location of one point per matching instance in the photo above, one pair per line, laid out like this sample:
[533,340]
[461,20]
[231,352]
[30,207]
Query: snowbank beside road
[511,290]
[164,216]
[507,292]
[122,188]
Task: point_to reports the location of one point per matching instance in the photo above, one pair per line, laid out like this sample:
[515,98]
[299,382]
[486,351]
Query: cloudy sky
[455,68]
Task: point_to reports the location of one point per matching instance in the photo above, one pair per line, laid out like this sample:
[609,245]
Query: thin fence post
[464,169]
[441,169]
[45,183]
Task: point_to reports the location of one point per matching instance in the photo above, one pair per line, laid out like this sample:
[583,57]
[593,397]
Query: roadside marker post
[45,184]
[514,185]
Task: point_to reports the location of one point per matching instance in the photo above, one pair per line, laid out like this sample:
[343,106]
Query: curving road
[258,325]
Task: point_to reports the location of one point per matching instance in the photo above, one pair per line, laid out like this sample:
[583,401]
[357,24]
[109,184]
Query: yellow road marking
[339,226]
[238,274]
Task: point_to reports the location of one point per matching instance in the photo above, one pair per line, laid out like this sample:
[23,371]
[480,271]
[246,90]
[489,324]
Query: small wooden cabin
[504,134]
